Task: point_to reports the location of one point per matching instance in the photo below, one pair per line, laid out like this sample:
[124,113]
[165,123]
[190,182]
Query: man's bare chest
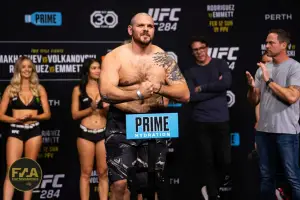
[135,71]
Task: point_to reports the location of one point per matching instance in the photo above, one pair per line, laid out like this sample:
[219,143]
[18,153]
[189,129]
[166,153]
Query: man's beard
[141,42]
[272,54]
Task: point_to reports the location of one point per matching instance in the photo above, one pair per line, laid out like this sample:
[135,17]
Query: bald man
[137,77]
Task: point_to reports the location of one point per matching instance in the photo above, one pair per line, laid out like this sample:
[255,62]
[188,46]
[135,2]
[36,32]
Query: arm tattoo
[162,59]
[173,72]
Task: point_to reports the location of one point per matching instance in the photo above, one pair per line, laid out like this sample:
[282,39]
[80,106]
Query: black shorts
[93,135]
[123,154]
[24,131]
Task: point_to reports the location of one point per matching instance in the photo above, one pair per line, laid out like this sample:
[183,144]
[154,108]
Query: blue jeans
[288,148]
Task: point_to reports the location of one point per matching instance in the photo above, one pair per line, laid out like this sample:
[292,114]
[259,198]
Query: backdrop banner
[59,36]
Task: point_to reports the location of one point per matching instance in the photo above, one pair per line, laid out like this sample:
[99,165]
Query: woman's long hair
[17,79]
[84,74]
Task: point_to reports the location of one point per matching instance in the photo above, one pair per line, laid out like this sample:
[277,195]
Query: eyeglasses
[199,49]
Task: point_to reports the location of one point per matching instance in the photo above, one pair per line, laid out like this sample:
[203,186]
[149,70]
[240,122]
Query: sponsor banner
[291,49]
[44,18]
[165,19]
[150,126]
[50,186]
[104,19]
[220,17]
[230,54]
[53,60]
[278,16]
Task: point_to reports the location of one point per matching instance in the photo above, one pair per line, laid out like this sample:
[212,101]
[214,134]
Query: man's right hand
[253,94]
[250,79]
[146,89]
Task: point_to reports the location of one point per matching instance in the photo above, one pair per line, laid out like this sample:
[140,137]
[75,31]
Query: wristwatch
[269,81]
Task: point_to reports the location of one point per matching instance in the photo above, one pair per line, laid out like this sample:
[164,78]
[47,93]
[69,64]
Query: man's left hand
[265,72]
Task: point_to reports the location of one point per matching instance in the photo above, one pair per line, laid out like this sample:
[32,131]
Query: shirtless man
[136,77]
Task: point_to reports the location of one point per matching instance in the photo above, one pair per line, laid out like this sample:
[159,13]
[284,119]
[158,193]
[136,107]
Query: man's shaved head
[138,16]
[141,29]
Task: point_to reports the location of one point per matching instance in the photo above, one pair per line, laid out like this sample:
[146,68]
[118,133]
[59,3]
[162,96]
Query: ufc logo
[220,52]
[51,179]
[159,14]
[15,131]
[230,98]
